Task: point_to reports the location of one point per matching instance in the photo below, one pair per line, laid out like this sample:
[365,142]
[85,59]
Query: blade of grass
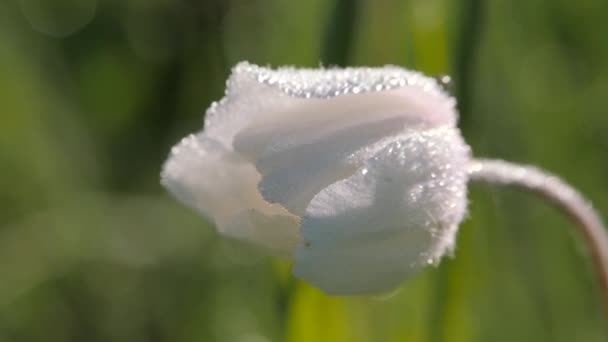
[339,34]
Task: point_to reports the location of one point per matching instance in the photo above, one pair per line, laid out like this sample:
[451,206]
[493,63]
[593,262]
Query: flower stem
[559,194]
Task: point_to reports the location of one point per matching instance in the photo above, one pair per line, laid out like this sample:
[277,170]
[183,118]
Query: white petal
[301,150]
[218,183]
[254,92]
[367,233]
[331,82]
[275,232]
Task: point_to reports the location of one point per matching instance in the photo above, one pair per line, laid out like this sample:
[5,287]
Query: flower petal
[323,83]
[218,183]
[301,150]
[367,233]
[253,92]
[275,232]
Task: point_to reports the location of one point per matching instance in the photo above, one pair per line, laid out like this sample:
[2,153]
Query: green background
[93,93]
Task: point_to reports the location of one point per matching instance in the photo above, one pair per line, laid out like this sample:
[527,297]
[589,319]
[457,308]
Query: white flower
[359,174]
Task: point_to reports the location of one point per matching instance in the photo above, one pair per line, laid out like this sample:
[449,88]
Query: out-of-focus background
[93,93]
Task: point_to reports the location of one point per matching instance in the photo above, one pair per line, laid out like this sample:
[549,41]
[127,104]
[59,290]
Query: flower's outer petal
[401,210]
[254,92]
[278,233]
[218,183]
[302,149]
[324,83]
[246,101]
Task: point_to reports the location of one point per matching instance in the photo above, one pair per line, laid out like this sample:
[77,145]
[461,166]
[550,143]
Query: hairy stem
[559,194]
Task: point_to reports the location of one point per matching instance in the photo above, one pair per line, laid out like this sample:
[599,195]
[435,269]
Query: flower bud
[359,174]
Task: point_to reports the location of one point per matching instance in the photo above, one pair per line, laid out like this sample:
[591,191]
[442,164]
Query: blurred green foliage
[94,92]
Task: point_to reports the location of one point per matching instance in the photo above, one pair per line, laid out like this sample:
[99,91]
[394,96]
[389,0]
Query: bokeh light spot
[58,18]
